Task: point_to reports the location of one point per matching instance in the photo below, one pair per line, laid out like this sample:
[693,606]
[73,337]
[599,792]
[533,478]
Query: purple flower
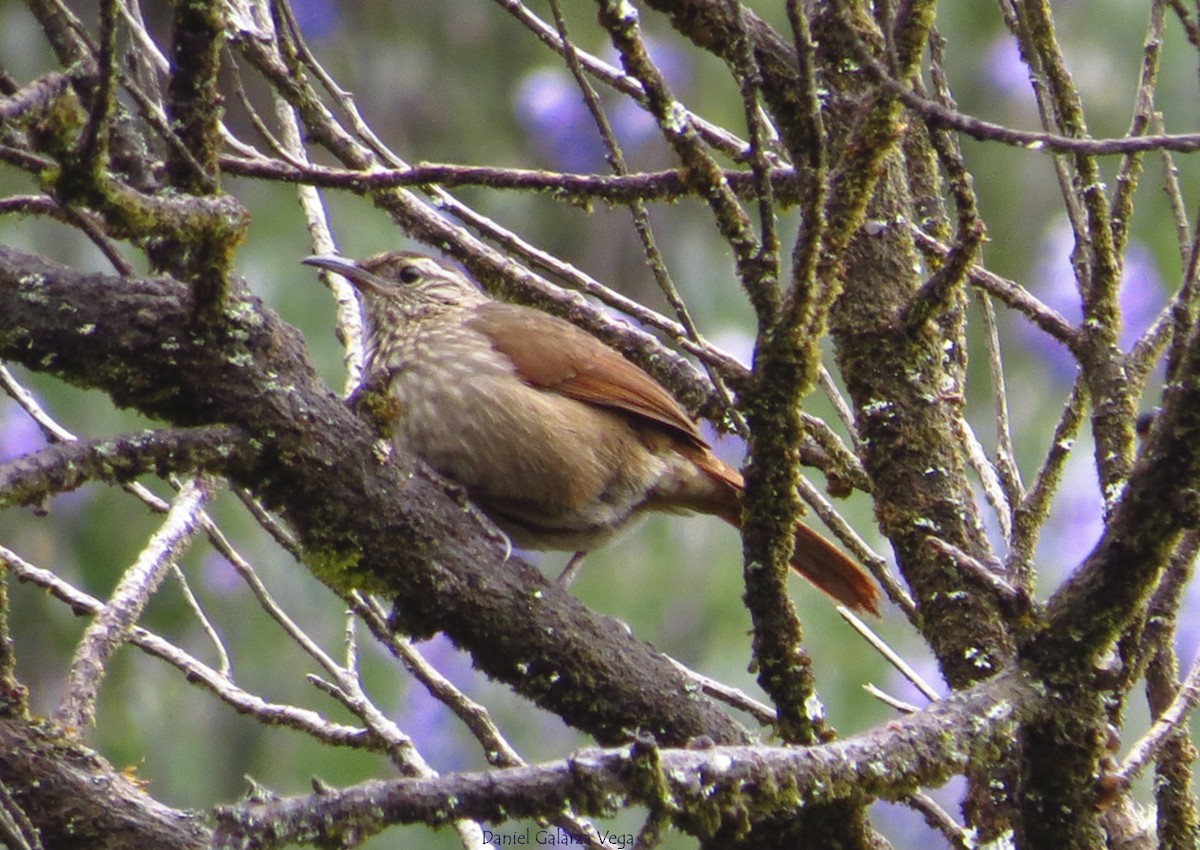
[1007,74]
[551,108]
[1053,281]
[316,18]
[19,435]
[218,575]
[1075,522]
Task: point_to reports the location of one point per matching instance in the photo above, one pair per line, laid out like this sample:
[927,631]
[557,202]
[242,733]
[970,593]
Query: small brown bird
[559,439]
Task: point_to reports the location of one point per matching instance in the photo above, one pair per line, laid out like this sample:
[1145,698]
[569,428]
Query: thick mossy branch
[194,98]
[388,525]
[717,27]
[129,213]
[194,107]
[1159,501]
[32,478]
[708,784]
[95,805]
[905,388]
[1090,611]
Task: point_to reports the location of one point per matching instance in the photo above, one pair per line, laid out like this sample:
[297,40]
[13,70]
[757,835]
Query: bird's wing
[552,354]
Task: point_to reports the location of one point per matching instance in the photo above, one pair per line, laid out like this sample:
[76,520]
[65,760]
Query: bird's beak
[359,278]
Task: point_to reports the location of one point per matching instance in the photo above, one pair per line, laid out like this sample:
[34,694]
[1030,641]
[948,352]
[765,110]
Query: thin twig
[840,406]
[1144,749]
[281,533]
[976,568]
[989,477]
[93,141]
[1030,515]
[111,627]
[846,533]
[893,658]
[345,686]
[941,820]
[569,187]
[82,220]
[1008,293]
[727,694]
[937,115]
[1175,195]
[193,602]
[475,717]
[887,699]
[1006,455]
[196,672]
[1130,168]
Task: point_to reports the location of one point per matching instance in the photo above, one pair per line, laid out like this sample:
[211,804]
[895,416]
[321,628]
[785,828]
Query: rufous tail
[820,562]
[814,557]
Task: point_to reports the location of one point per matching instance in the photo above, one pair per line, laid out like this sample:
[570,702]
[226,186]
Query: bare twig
[729,695]
[845,533]
[989,476]
[903,667]
[1177,713]
[980,571]
[1006,456]
[842,407]
[196,672]
[941,820]
[111,628]
[1009,293]
[889,700]
[1029,516]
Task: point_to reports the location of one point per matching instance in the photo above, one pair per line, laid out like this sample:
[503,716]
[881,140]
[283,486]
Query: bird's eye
[409,274]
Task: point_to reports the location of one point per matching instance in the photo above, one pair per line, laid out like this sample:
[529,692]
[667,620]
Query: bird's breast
[552,471]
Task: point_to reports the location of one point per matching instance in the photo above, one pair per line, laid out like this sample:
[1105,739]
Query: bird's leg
[571,570]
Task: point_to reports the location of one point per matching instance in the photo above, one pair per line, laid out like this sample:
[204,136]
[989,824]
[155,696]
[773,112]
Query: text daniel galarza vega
[529,837]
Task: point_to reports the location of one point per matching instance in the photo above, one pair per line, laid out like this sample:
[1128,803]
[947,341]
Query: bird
[559,439]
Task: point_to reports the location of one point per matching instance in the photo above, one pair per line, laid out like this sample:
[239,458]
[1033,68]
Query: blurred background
[460,81]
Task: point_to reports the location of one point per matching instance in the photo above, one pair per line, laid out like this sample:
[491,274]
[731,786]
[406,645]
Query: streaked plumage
[557,437]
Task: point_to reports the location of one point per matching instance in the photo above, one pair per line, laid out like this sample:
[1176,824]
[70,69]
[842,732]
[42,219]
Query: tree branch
[60,468]
[923,749]
[94,805]
[387,526]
